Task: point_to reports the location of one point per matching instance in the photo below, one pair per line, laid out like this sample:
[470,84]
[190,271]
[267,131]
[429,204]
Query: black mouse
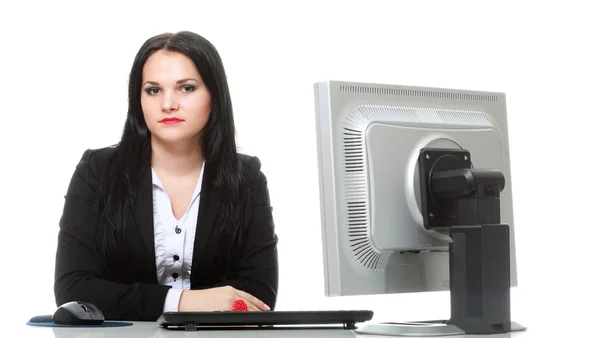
[78,313]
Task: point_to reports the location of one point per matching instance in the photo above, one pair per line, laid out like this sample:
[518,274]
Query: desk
[151,329]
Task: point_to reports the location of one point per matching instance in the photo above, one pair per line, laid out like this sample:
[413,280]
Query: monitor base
[433,328]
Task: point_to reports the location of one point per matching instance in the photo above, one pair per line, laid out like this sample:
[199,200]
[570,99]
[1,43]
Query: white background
[63,89]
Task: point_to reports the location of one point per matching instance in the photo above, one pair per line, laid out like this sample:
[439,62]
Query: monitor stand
[479,288]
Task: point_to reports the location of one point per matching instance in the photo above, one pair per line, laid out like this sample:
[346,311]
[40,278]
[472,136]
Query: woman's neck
[177,159]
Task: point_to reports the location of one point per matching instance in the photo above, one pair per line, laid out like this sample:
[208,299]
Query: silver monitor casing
[369,137]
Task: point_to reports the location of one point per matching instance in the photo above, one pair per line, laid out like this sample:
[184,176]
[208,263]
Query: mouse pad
[47,321]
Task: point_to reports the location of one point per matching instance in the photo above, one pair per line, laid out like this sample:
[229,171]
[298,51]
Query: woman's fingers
[252,307]
[248,305]
[257,303]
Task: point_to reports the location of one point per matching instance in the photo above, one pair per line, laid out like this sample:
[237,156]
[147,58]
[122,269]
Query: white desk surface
[151,329]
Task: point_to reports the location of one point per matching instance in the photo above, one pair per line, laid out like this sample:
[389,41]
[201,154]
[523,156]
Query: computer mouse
[78,313]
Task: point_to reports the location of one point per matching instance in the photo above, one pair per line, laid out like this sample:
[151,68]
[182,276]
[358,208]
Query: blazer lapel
[209,204]
[144,214]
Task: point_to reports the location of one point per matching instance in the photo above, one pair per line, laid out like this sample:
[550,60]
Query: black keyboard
[262,319]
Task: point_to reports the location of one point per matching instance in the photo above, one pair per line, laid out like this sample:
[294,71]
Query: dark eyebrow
[178,82]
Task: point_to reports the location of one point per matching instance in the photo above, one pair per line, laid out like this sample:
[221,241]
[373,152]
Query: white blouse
[174,241]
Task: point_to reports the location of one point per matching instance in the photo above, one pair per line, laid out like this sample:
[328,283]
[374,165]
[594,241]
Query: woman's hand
[217,299]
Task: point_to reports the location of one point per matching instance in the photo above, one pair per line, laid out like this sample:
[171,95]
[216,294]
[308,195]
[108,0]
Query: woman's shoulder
[93,162]
[89,170]
[98,157]
[251,167]
[249,164]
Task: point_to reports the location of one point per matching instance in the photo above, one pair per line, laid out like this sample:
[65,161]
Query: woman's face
[175,102]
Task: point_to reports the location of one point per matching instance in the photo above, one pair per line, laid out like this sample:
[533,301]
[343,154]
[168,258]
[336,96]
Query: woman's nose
[169,103]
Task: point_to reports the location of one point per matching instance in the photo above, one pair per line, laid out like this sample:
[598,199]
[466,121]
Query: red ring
[239,305]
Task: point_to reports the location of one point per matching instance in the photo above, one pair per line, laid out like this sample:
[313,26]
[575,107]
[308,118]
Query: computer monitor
[415,190]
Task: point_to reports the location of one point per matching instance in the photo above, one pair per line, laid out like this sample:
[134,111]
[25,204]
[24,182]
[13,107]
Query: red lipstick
[170,120]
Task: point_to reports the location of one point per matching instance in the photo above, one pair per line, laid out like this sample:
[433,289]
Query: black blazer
[129,289]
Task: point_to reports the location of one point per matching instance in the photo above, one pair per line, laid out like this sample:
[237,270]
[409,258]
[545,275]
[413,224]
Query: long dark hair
[118,187]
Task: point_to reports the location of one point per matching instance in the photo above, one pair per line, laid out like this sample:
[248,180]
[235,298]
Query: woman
[172,218]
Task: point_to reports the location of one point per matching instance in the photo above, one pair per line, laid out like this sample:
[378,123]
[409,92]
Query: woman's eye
[152,91]
[188,88]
